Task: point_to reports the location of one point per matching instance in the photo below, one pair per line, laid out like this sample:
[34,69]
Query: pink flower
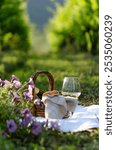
[2,82]
[14,78]
[28,95]
[16,97]
[7,83]
[17,84]
[31,83]
[15,81]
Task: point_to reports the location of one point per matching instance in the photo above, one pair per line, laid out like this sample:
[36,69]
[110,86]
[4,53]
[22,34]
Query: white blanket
[84,118]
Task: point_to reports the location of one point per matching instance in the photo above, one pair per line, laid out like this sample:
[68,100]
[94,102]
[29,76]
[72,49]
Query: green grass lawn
[82,65]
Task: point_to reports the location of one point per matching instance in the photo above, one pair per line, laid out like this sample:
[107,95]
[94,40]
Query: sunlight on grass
[82,65]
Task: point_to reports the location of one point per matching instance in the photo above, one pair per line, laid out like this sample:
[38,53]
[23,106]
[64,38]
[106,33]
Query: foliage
[74,27]
[13,26]
[54,140]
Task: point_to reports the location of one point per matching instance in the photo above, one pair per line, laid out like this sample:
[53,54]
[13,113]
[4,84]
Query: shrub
[74,27]
[13,27]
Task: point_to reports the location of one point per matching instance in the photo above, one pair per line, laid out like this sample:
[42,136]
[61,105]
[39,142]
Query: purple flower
[7,83]
[15,81]
[14,78]
[31,83]
[36,128]
[11,125]
[26,120]
[4,133]
[54,125]
[2,82]
[17,84]
[16,97]
[28,95]
[26,117]
[25,111]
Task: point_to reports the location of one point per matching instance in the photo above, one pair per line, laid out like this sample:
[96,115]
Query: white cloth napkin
[84,118]
[57,106]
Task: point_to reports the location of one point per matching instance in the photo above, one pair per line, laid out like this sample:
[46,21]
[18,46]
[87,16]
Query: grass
[82,65]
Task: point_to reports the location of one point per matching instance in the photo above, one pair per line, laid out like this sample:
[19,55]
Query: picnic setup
[64,109]
[52,109]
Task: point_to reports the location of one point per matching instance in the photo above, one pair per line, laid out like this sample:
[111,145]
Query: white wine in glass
[71,87]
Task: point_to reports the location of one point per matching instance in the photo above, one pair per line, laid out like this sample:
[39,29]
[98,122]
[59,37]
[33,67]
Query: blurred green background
[69,26]
[60,36]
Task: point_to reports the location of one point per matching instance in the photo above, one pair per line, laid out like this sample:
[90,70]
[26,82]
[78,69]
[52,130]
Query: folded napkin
[57,106]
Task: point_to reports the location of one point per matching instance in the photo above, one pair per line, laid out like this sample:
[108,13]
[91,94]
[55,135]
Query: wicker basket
[39,110]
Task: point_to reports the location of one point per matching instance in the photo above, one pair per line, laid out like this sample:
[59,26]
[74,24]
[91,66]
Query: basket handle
[50,79]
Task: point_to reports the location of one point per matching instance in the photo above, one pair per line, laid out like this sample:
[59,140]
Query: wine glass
[71,87]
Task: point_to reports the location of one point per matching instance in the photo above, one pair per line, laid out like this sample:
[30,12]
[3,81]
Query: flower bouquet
[16,102]
[14,92]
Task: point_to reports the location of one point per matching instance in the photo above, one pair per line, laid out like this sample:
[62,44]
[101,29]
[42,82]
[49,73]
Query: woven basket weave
[39,110]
